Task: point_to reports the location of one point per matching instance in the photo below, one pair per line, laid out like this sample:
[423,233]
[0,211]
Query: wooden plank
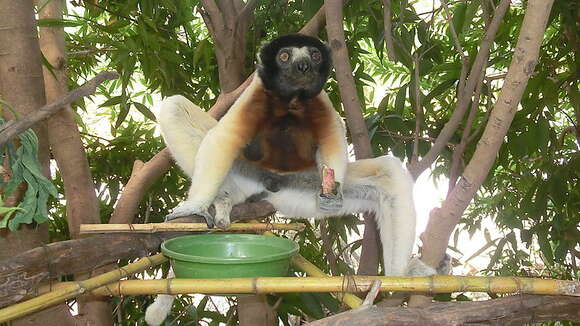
[186,227]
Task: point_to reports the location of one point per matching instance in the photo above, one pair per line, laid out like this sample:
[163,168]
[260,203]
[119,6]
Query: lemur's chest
[286,141]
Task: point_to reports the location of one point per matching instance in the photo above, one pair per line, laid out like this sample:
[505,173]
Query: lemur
[277,142]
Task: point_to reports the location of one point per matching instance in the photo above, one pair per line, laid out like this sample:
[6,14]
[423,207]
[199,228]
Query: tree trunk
[254,310]
[21,86]
[68,150]
[82,206]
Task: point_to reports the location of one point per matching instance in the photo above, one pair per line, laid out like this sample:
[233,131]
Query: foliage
[25,171]
[162,48]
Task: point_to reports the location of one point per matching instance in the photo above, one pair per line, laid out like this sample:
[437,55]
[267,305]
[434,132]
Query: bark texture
[513,310]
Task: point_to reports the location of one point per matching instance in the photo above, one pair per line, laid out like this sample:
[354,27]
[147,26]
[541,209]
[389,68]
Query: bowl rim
[231,260]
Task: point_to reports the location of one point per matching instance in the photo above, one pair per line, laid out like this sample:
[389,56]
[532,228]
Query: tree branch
[214,14]
[457,158]
[465,98]
[418,109]
[388,30]
[137,186]
[247,10]
[355,121]
[458,48]
[15,127]
[512,310]
[315,24]
[442,221]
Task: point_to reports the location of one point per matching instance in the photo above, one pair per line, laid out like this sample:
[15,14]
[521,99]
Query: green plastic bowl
[229,255]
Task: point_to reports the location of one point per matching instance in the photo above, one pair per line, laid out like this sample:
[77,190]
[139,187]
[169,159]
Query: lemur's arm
[332,154]
[333,150]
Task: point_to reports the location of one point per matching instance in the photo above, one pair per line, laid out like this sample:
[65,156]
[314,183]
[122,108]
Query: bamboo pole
[186,227]
[259,285]
[311,270]
[75,289]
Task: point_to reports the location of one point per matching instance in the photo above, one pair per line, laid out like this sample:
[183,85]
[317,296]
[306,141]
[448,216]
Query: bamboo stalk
[311,270]
[259,285]
[75,289]
[186,227]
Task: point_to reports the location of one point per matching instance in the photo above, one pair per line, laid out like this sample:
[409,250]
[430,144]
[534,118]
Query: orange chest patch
[288,138]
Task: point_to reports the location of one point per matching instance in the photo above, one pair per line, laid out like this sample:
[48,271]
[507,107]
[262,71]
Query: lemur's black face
[294,65]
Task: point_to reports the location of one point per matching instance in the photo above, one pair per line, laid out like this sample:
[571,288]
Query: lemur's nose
[303,66]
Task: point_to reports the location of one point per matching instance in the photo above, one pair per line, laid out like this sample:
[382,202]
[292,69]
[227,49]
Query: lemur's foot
[330,202]
[221,209]
[417,267]
[330,197]
[188,209]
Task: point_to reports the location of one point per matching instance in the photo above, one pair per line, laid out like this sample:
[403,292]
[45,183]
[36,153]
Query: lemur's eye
[284,56]
[316,55]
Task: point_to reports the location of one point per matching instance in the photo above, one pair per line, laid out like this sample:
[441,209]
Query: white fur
[335,157]
[299,53]
[381,186]
[158,311]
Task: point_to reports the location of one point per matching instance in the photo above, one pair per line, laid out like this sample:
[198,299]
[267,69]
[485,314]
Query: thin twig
[248,8]
[388,30]
[465,98]
[372,295]
[327,246]
[15,127]
[457,159]
[418,110]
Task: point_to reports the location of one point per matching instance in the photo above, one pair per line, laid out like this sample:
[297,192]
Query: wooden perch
[15,127]
[513,310]
[186,227]
[75,289]
[20,275]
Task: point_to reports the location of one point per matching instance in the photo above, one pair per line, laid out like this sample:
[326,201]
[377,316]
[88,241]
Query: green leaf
[145,111]
[328,301]
[311,306]
[400,100]
[545,246]
[112,101]
[440,89]
[58,22]
[122,115]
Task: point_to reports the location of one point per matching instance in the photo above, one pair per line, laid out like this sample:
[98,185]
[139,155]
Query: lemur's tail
[158,311]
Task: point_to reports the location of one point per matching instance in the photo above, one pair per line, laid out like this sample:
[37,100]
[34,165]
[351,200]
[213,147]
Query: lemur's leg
[183,126]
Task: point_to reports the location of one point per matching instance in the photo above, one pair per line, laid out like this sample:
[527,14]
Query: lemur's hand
[330,197]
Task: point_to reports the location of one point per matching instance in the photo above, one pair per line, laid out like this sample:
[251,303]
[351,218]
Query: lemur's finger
[328,181]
